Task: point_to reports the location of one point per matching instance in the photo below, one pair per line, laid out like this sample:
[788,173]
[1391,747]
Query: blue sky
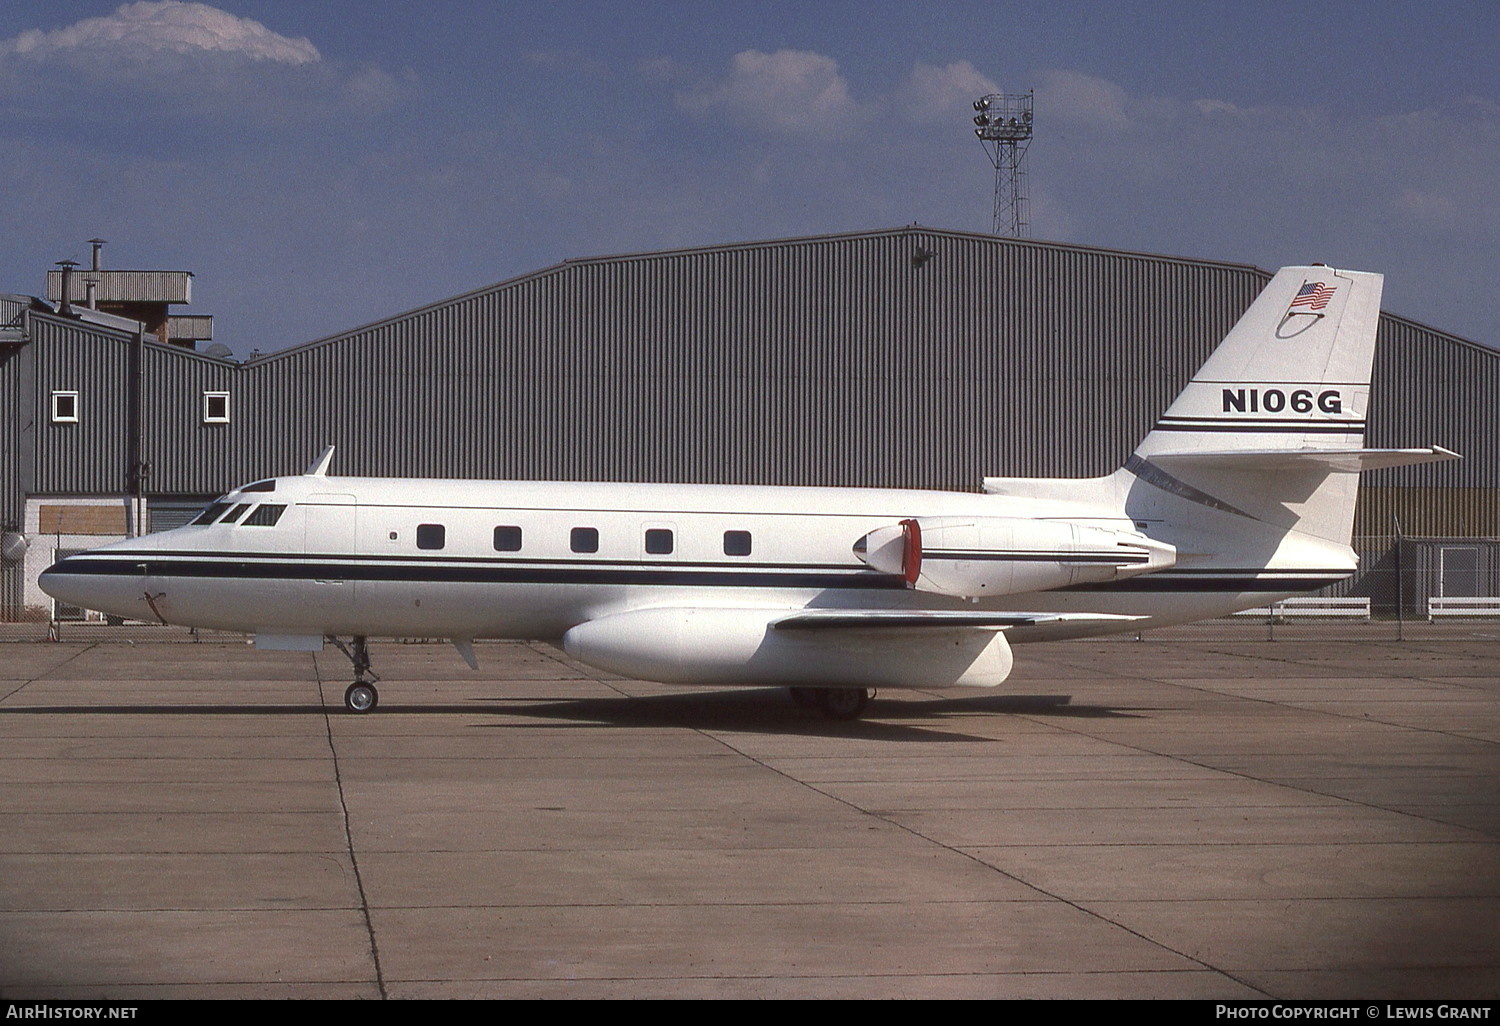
[322,165]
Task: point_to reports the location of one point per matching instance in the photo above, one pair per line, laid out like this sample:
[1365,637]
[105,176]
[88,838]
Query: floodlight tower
[1004,130]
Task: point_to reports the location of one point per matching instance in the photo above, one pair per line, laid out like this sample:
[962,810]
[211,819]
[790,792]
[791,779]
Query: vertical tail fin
[1267,438]
[1259,432]
[1293,373]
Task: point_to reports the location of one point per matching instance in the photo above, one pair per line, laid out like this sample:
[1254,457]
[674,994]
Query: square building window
[216,407]
[65,407]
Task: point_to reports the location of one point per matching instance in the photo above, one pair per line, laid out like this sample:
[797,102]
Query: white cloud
[149,28]
[168,65]
[933,92]
[789,91]
[1071,96]
[370,91]
[1221,108]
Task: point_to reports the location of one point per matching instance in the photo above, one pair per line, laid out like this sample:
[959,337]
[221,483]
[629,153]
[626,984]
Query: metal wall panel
[12,314]
[1431,388]
[1427,512]
[123,286]
[88,457]
[910,357]
[14,410]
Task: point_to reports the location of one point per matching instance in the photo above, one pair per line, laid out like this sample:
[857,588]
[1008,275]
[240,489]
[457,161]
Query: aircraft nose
[54,573]
[60,581]
[88,583]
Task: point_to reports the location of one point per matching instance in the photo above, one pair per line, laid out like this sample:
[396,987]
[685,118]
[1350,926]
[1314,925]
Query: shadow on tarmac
[741,709]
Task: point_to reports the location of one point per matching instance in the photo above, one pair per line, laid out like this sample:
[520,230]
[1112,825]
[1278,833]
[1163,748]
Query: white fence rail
[1313,606]
[1462,605]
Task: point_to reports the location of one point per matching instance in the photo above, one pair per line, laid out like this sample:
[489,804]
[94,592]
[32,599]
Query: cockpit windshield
[211,512]
[265,515]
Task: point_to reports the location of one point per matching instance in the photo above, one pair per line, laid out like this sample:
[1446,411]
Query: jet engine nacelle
[974,557]
[743,646]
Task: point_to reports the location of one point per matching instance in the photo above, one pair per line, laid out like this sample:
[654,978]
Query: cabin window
[261,486]
[658,541]
[508,539]
[210,514]
[65,407]
[585,539]
[265,515]
[431,536]
[216,407]
[235,513]
[736,543]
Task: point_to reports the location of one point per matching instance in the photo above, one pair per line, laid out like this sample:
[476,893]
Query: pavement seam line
[970,857]
[1169,682]
[51,669]
[359,880]
[912,831]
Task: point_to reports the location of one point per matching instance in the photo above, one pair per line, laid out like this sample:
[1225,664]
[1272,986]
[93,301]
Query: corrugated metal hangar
[908,357]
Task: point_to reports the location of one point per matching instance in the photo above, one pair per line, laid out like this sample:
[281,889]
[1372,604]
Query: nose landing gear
[361,696]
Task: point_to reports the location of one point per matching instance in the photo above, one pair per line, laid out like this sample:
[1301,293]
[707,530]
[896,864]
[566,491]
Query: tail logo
[1312,296]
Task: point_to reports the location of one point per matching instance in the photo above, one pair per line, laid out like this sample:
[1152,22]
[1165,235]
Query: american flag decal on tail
[1314,295]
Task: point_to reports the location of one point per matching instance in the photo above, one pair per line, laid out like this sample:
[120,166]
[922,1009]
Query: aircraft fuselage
[473,559]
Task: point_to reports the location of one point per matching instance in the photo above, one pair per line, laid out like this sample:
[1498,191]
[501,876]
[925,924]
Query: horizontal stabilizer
[902,619]
[1332,460]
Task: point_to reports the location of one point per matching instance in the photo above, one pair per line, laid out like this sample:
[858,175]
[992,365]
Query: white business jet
[1242,493]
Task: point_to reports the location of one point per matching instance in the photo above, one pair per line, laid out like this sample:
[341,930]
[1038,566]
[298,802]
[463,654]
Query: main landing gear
[835,703]
[361,696]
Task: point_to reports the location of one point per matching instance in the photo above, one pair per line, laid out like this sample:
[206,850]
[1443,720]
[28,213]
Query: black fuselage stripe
[945,554]
[437,573]
[432,572]
[229,556]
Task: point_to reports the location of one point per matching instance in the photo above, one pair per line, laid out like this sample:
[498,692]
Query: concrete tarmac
[1172,818]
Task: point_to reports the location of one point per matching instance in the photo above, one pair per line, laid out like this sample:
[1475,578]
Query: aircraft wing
[935,619]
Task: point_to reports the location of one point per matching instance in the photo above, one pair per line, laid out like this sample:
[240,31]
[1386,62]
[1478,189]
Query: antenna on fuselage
[319,467]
